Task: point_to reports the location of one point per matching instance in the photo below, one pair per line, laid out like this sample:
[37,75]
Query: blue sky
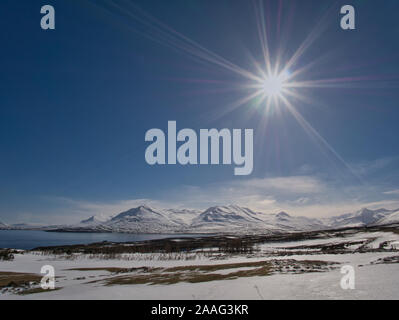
[75,104]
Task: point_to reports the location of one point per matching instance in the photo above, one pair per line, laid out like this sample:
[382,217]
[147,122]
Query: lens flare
[273,86]
[277,81]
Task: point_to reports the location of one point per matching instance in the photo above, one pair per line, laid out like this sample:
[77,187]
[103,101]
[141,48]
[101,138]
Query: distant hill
[226,219]
[217,219]
[3,226]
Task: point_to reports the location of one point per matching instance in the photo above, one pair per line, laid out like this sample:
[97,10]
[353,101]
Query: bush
[6,255]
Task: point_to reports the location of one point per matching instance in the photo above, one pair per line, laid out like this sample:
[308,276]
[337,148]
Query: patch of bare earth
[36,290]
[18,279]
[387,260]
[206,273]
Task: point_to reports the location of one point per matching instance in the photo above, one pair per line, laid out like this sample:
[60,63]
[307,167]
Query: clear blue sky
[75,104]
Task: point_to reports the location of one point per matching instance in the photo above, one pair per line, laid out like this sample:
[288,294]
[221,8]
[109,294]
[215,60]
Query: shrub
[6,255]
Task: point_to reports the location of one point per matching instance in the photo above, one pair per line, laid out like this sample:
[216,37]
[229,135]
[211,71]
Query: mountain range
[3,225]
[218,219]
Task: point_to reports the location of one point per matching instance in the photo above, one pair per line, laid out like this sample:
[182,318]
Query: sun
[273,86]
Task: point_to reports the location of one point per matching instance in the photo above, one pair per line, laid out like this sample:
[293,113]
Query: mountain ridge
[229,218]
[3,226]
[218,219]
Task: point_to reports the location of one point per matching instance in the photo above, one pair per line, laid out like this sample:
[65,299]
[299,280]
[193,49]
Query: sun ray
[164,34]
[262,33]
[313,133]
[217,114]
[275,80]
[316,32]
[304,98]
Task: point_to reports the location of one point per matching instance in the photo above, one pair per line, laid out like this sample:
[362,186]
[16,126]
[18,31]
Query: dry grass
[35,290]
[17,279]
[217,267]
[117,269]
[190,277]
[205,273]
[387,260]
[7,254]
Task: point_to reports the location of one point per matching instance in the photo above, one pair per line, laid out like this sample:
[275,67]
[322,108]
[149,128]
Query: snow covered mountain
[143,219]
[183,217]
[218,219]
[232,218]
[235,217]
[390,218]
[226,217]
[363,217]
[283,220]
[3,226]
[93,220]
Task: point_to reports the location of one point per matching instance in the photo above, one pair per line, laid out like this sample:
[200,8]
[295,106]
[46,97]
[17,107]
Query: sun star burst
[273,86]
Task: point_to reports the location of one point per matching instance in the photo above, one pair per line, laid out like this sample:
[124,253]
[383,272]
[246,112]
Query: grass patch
[6,254]
[190,277]
[17,279]
[109,269]
[116,269]
[205,273]
[217,267]
[36,290]
[387,260]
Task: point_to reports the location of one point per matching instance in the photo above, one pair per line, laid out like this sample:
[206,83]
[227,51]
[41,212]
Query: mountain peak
[231,218]
[283,214]
[365,211]
[93,219]
[144,207]
[362,217]
[370,211]
[138,212]
[90,219]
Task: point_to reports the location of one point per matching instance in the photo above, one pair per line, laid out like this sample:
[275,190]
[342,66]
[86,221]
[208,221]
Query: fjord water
[28,239]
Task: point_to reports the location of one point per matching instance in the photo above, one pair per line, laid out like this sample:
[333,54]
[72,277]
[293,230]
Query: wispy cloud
[392,192]
[368,167]
[293,184]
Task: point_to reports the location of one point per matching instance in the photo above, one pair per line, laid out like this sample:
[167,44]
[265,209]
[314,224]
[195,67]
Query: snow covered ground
[299,273]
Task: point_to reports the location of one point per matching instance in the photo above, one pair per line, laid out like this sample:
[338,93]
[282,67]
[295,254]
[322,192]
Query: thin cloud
[369,167]
[392,192]
[293,184]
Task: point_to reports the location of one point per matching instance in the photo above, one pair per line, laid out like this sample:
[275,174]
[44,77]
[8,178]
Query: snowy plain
[372,281]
